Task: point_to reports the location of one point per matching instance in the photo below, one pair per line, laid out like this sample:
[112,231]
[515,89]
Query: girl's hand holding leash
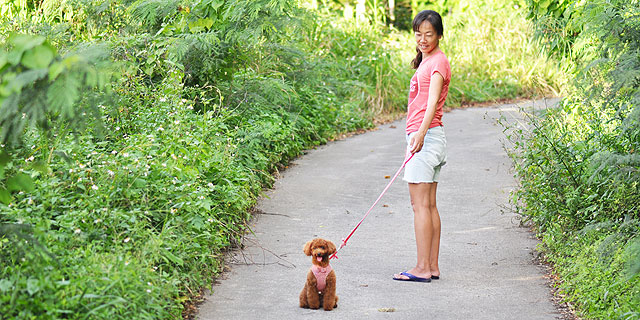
[416,142]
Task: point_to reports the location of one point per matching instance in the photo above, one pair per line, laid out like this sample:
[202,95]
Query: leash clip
[342,245]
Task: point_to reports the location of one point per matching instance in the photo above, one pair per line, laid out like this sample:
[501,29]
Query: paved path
[485,261]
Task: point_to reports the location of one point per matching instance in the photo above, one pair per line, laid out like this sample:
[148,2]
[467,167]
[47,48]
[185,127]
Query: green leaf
[215,4]
[173,258]
[200,25]
[5,196]
[62,94]
[25,41]
[39,57]
[25,78]
[544,4]
[139,183]
[3,59]
[21,43]
[55,70]
[33,286]
[4,158]
[5,285]
[20,182]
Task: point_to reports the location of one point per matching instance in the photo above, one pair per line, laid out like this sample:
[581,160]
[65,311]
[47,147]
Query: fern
[151,12]
[39,96]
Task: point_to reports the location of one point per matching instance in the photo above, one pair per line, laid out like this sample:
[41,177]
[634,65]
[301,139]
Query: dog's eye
[322,247]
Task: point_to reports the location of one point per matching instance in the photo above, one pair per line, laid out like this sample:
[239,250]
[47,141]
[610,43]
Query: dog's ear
[307,248]
[331,247]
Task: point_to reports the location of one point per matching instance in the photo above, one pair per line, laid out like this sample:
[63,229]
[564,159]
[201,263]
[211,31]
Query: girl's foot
[416,272]
[435,273]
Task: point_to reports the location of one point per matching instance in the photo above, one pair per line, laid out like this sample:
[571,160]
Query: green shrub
[578,165]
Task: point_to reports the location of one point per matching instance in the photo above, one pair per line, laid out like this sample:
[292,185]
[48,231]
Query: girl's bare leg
[435,234]
[424,228]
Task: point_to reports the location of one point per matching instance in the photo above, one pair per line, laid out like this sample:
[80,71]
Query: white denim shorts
[425,165]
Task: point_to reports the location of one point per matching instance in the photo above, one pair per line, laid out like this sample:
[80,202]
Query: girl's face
[427,38]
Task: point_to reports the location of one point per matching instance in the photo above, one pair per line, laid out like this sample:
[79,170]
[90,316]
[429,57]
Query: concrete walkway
[486,259]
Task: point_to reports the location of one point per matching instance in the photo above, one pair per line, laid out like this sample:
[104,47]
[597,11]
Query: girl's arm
[435,89]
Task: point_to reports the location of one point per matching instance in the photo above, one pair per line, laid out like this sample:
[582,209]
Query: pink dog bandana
[321,276]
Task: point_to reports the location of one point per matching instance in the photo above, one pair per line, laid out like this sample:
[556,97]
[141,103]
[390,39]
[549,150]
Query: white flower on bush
[160,129]
[77,231]
[127,239]
[111,173]
[94,187]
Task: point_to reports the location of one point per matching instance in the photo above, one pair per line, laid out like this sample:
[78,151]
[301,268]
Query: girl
[426,140]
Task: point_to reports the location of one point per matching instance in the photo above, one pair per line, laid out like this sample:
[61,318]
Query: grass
[493,56]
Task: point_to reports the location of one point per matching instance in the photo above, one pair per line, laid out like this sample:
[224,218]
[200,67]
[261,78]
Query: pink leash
[344,242]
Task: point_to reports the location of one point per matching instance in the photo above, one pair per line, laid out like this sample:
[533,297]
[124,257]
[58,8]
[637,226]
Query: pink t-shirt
[419,91]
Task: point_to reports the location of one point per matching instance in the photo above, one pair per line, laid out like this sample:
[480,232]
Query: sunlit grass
[493,56]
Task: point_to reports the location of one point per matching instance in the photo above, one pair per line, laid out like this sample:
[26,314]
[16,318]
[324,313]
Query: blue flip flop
[412,278]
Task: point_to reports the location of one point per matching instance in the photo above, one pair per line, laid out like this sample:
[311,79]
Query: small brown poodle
[320,288]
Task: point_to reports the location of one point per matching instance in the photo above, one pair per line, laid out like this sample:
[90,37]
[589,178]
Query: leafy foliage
[37,86]
[579,164]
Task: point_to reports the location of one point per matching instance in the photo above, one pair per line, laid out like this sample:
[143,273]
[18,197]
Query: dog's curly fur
[310,297]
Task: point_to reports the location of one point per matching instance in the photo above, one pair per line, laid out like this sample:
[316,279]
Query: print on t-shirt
[414,86]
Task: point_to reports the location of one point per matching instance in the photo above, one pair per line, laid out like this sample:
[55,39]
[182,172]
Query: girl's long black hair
[436,21]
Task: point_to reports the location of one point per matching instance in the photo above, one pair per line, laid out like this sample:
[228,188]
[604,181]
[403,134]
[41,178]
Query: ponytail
[416,62]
